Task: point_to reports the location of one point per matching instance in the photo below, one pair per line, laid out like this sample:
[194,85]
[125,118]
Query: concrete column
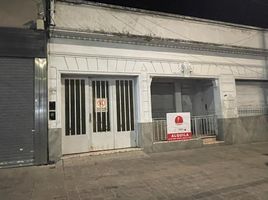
[225,105]
[178,102]
[228,97]
[217,98]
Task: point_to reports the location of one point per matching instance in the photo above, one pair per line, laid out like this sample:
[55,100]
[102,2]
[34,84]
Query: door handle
[89,117]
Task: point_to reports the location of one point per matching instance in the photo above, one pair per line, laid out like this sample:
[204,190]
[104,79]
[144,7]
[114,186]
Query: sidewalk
[222,172]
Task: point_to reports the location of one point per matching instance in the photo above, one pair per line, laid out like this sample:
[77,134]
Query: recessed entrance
[98,114]
[184,95]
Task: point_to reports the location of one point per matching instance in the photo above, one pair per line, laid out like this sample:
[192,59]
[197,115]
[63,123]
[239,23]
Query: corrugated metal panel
[17,111]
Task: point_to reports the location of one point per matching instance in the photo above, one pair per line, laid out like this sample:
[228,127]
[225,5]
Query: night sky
[247,12]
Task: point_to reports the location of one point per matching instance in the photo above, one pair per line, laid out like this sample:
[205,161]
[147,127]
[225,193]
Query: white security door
[112,114]
[125,136]
[98,114]
[75,137]
[101,104]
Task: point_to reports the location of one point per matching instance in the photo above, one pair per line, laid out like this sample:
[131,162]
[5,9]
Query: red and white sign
[179,126]
[101,104]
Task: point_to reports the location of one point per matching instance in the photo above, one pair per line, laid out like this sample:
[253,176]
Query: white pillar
[225,97]
[144,98]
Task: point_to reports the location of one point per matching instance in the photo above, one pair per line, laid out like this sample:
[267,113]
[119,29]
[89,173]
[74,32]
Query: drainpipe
[264,42]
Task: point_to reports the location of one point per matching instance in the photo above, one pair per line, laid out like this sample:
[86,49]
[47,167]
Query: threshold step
[211,140]
[103,152]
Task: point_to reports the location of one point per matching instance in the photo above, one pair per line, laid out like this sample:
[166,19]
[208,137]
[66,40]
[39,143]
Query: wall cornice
[157,42]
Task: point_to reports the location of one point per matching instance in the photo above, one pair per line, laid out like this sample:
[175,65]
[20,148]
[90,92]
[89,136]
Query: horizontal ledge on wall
[156,42]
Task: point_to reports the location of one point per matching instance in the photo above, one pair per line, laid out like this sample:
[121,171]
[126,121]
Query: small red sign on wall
[101,104]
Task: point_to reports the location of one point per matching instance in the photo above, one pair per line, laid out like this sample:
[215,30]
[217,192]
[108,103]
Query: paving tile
[230,172]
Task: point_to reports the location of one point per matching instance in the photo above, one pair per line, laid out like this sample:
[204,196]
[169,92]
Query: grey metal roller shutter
[16,111]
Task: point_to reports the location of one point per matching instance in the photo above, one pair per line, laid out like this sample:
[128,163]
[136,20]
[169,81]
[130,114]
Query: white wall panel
[112,63]
[92,18]
[138,67]
[149,67]
[92,64]
[52,73]
[158,67]
[71,63]
[175,68]
[121,64]
[129,66]
[82,64]
[57,61]
[166,67]
[102,64]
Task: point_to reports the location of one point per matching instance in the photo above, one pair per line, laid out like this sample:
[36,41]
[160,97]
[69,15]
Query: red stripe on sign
[179,136]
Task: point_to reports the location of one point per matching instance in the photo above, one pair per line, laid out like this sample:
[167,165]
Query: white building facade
[113,70]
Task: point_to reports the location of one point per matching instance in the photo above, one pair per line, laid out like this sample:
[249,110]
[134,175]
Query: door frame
[88,105]
[113,110]
[63,136]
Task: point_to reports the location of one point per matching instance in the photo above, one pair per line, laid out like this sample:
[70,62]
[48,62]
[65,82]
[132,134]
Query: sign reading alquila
[179,126]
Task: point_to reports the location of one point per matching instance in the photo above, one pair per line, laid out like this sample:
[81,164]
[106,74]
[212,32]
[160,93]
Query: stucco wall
[72,57]
[244,129]
[92,18]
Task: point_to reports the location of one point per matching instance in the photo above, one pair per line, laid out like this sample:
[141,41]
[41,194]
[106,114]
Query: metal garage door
[252,97]
[16,111]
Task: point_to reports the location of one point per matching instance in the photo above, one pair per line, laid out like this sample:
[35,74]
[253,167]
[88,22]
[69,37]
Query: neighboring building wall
[14,13]
[23,56]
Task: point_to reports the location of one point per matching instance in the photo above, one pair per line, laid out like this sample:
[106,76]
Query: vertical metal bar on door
[95,91]
[105,97]
[196,128]
[207,126]
[70,108]
[160,130]
[125,106]
[75,98]
[120,107]
[80,107]
[157,131]
[129,110]
[101,106]
[210,126]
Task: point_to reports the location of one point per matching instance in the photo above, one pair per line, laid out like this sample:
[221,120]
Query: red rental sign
[178,126]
